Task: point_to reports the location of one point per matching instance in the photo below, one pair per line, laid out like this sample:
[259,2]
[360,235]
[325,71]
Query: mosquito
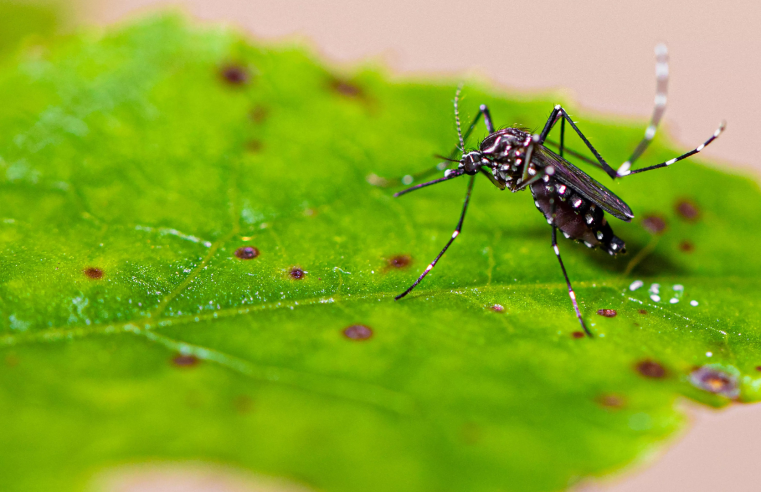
[571,200]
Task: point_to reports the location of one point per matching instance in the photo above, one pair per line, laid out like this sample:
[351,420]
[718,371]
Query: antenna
[457,116]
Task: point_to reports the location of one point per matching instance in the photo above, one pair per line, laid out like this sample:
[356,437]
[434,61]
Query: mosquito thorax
[505,152]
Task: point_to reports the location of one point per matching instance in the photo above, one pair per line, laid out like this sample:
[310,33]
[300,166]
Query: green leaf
[22,20]
[136,164]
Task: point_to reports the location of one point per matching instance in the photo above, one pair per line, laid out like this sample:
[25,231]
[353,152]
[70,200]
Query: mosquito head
[471,162]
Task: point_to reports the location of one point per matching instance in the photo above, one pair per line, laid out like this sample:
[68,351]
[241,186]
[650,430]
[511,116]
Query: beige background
[602,52]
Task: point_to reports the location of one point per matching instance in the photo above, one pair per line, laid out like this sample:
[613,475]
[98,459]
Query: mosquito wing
[583,184]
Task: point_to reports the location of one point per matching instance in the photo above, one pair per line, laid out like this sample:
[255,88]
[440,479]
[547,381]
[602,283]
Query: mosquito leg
[661,73]
[571,293]
[557,113]
[659,107]
[487,119]
[683,156]
[451,240]
[441,166]
[562,138]
[451,174]
[573,153]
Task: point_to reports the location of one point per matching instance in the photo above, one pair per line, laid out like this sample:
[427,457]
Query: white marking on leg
[660,99]
[668,163]
[557,106]
[624,169]
[650,132]
[555,247]
[572,294]
[700,147]
[455,234]
[661,50]
[428,268]
[661,71]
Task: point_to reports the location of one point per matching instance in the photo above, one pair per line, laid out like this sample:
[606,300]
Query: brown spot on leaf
[235,74]
[247,253]
[758,368]
[688,210]
[346,88]
[715,381]
[297,273]
[612,401]
[608,313]
[577,334]
[11,360]
[654,224]
[259,114]
[243,404]
[686,246]
[400,261]
[255,146]
[642,311]
[358,332]
[470,433]
[651,369]
[185,360]
[498,308]
[93,273]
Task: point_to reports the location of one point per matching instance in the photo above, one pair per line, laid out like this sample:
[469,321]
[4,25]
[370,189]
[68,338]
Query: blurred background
[597,53]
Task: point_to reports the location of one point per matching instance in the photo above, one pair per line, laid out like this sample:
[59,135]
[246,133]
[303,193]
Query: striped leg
[483,110]
[694,151]
[661,73]
[661,95]
[456,233]
[571,293]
